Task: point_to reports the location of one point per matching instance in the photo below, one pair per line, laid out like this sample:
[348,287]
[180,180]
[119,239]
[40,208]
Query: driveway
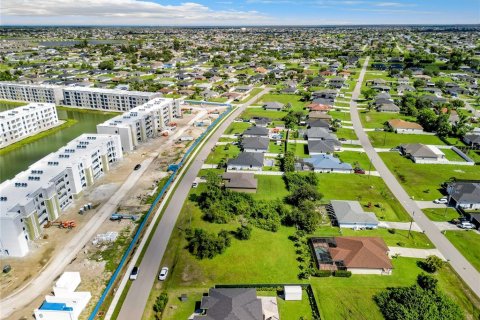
[430,204]
[415,253]
[399,225]
[461,265]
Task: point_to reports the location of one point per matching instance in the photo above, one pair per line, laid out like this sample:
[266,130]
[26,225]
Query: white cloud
[121,12]
[393,4]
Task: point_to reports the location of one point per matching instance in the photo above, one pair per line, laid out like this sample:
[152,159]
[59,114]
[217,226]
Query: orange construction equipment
[172,124]
[67,224]
[165,133]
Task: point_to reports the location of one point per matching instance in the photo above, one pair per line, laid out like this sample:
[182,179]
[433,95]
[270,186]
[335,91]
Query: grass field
[441,214]
[467,242]
[270,188]
[452,155]
[374,119]
[340,115]
[237,127]
[259,112]
[300,149]
[423,181]
[348,134]
[384,139]
[356,159]
[220,153]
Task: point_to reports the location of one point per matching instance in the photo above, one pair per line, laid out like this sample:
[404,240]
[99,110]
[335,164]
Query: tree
[305,216]
[457,104]
[306,192]
[428,119]
[432,264]
[288,162]
[243,232]
[444,128]
[176,44]
[203,244]
[6,76]
[460,127]
[418,83]
[427,282]
[416,303]
[160,303]
[106,65]
[368,93]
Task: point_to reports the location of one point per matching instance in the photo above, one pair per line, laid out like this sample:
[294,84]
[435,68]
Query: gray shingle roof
[256,131]
[258,143]
[231,304]
[348,212]
[465,192]
[254,159]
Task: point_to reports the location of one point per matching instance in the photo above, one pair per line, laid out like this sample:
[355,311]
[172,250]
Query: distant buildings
[21,122]
[82,97]
[40,193]
[143,122]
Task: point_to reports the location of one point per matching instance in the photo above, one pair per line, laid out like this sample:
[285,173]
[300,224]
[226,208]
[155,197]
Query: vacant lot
[384,139]
[441,214]
[222,153]
[374,119]
[468,243]
[237,127]
[423,181]
[294,100]
[356,159]
[259,112]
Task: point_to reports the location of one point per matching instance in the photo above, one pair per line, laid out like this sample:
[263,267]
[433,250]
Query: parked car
[378,129]
[163,274]
[134,273]
[466,225]
[359,171]
[342,139]
[195,184]
[138,166]
[441,201]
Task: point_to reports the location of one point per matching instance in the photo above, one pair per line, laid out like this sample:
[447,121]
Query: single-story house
[318,107]
[350,214]
[421,153]
[255,131]
[404,87]
[261,122]
[402,126]
[323,163]
[231,303]
[465,195]
[255,144]
[388,107]
[359,255]
[316,147]
[319,115]
[247,161]
[317,133]
[472,139]
[276,106]
[318,123]
[475,219]
[240,181]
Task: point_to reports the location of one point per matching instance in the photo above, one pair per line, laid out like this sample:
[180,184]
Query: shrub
[203,244]
[392,231]
[322,273]
[243,232]
[342,274]
[432,264]
[427,282]
[161,302]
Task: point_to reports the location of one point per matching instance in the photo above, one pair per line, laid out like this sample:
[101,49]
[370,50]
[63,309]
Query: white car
[441,201]
[163,274]
[466,225]
[134,273]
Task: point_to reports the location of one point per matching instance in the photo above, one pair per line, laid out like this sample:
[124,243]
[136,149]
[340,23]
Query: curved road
[137,295]
[466,271]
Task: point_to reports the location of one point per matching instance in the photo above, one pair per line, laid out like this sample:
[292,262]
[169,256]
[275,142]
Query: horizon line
[239,25]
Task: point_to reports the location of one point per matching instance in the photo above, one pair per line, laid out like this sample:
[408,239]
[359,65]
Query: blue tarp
[55,306]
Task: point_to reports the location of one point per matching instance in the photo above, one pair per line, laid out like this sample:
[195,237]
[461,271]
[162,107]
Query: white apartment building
[82,97]
[21,122]
[143,122]
[40,193]
[105,99]
[31,92]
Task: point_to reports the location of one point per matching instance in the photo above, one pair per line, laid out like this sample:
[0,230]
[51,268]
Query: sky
[238,12]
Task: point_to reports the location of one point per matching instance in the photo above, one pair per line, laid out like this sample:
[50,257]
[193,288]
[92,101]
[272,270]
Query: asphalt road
[466,271]
[44,280]
[137,296]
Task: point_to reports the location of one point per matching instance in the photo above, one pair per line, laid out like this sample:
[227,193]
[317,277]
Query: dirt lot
[164,150]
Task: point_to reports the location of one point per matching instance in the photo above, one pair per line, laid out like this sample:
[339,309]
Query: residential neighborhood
[240,172]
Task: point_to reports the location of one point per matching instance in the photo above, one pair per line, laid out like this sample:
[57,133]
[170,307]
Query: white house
[405,127]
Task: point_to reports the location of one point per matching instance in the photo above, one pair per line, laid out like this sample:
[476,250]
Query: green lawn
[423,181]
[352,298]
[294,309]
[259,112]
[348,134]
[252,94]
[274,148]
[468,243]
[300,149]
[364,189]
[356,159]
[452,155]
[374,119]
[237,127]
[270,188]
[441,214]
[384,139]
[293,99]
[220,153]
[340,115]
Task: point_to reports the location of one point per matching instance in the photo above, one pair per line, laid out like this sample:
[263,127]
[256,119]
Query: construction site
[95,230]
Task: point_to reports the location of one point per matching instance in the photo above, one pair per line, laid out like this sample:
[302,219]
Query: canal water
[21,158]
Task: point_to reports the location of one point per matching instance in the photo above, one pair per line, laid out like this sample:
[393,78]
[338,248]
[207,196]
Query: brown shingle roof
[361,252]
[402,124]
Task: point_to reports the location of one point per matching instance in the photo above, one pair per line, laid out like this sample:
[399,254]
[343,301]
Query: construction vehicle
[119,216]
[67,224]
